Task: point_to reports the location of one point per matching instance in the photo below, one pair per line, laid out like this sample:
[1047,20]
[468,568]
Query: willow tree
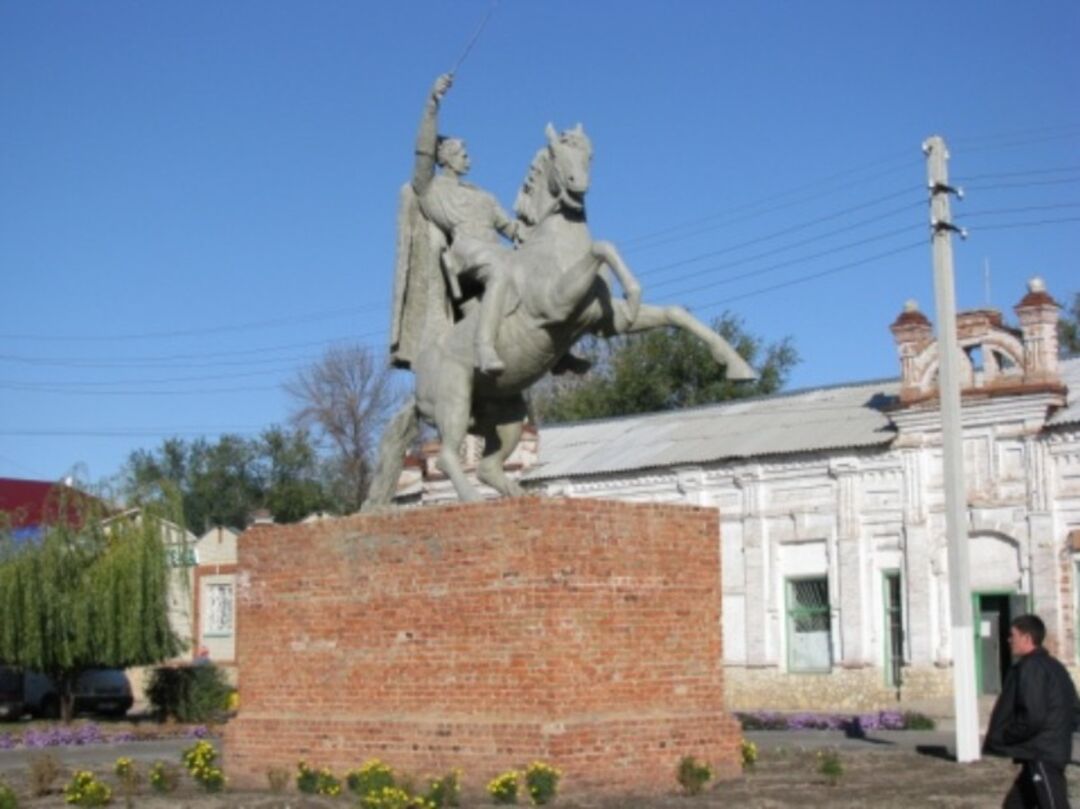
[87,593]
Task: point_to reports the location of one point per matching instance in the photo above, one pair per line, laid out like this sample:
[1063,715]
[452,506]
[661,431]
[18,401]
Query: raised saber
[475,36]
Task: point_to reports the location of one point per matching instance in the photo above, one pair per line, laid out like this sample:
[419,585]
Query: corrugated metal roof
[1070,375]
[801,421]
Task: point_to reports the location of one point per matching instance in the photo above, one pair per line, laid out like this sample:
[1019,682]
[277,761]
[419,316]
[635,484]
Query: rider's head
[451,154]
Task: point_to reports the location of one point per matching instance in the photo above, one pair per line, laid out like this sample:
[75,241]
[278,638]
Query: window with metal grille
[894,629]
[219,609]
[809,633]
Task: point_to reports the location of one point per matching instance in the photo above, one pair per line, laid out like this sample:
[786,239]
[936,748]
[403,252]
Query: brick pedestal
[485,636]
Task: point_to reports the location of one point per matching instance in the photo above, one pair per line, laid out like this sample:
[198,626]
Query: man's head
[1026,634]
[451,154]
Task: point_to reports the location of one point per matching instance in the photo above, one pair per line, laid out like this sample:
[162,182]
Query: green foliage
[86,790]
[830,765]
[693,775]
[196,693]
[542,782]
[503,789]
[664,369]
[445,791]
[91,593]
[749,754]
[128,775]
[1069,329]
[164,777]
[222,483]
[372,776]
[200,760]
[393,798]
[7,797]
[316,782]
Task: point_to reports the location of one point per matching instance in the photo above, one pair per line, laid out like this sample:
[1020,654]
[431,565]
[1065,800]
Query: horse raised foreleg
[655,317]
[501,429]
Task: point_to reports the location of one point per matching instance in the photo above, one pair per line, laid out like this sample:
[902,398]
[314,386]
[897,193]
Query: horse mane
[528,202]
[531,202]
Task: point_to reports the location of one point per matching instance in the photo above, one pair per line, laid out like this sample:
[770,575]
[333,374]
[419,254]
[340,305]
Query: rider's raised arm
[428,138]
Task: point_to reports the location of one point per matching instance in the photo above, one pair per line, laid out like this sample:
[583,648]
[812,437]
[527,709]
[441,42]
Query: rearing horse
[561,294]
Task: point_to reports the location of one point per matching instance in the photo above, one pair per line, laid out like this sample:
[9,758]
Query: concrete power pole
[963,636]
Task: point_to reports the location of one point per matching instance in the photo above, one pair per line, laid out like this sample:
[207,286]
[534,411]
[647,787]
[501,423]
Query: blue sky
[196,199]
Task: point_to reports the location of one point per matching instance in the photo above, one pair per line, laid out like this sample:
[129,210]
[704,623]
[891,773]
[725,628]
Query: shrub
[693,775]
[446,791]
[7,797]
[542,782]
[316,782]
[199,693]
[44,770]
[372,776]
[749,753]
[913,720]
[164,777]
[199,760]
[830,766]
[125,770]
[504,788]
[278,779]
[86,790]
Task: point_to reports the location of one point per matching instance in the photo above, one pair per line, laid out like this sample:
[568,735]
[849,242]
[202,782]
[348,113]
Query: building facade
[831,512]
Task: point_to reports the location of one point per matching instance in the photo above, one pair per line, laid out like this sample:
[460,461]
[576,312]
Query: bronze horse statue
[560,292]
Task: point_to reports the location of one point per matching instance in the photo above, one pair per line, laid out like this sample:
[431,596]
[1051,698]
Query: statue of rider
[470,219]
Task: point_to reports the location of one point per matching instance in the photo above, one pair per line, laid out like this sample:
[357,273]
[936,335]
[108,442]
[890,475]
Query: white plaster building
[832,523]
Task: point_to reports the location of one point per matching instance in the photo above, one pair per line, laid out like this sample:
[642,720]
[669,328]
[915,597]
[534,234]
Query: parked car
[11,693]
[100,691]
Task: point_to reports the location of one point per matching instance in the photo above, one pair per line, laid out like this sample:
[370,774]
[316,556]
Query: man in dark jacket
[1033,720]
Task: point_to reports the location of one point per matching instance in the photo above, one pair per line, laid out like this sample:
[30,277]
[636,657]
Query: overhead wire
[797,260]
[796,228]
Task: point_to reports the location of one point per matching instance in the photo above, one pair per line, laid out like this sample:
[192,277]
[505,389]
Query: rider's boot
[491,307]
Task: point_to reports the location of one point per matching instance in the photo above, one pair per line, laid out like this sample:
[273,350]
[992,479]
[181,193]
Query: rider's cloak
[421,300]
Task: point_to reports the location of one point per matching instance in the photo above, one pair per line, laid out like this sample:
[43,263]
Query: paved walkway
[97,756]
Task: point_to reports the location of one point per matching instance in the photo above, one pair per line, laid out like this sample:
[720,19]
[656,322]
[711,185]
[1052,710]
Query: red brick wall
[484,636]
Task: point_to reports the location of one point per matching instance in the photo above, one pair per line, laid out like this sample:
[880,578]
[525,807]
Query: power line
[782,249]
[745,211]
[1001,211]
[796,228]
[1031,184]
[201,392]
[797,260]
[258,324]
[1025,173]
[1036,223]
[150,432]
[166,381]
[813,276]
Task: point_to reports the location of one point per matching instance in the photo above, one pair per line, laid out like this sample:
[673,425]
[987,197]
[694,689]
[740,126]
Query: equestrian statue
[486,305]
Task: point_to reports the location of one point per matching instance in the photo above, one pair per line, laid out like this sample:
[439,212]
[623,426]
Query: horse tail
[399,433]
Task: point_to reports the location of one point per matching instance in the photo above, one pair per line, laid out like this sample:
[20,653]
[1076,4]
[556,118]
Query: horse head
[558,178]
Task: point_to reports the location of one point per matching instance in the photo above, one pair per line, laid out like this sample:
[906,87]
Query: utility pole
[963,637]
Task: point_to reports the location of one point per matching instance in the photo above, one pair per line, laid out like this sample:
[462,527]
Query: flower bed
[80,735]
[849,723]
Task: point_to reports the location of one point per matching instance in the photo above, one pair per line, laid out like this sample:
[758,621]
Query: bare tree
[345,399]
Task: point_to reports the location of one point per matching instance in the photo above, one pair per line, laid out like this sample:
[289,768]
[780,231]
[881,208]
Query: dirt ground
[782,778]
